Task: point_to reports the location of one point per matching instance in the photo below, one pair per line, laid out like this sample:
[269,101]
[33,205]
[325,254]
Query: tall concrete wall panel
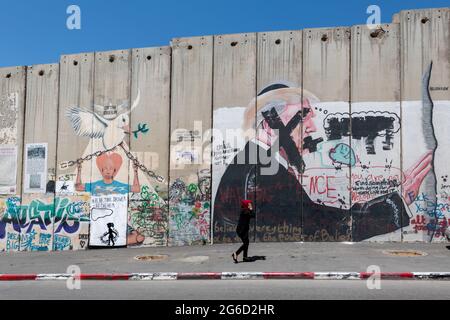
[108,186]
[71,228]
[149,143]
[191,117]
[378,212]
[425,52]
[12,112]
[233,98]
[279,94]
[326,182]
[39,159]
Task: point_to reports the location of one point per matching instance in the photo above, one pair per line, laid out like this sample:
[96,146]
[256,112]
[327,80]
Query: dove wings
[89,124]
[86,123]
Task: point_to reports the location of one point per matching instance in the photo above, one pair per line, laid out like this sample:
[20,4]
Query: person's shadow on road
[255,258]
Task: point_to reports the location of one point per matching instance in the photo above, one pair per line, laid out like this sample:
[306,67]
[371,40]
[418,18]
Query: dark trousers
[244,247]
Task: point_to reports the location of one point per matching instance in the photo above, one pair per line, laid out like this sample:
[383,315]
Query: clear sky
[35,31]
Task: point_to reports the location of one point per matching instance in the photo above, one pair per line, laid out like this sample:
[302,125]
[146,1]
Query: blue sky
[34,31]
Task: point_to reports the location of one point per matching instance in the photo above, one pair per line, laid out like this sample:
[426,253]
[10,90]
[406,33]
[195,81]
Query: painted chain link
[143,168]
[135,161]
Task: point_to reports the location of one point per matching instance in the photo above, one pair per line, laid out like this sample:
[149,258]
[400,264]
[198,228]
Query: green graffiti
[192,188]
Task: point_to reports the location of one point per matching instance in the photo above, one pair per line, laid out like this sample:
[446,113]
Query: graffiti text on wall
[61,217]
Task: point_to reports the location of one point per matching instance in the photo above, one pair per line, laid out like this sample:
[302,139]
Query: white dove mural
[90,124]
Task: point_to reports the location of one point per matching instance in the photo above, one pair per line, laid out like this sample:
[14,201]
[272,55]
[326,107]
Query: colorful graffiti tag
[62,220]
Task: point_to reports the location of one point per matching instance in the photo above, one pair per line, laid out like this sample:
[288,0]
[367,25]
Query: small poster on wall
[8,169]
[35,167]
[108,221]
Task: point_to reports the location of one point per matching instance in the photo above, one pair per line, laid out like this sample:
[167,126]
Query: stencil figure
[112,235]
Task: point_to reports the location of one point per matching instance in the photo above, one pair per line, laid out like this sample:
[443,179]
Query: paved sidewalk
[280,257]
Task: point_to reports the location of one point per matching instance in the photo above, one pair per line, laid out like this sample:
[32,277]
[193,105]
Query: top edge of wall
[415,11]
[198,38]
[69,55]
[152,51]
[365,26]
[162,48]
[279,31]
[118,51]
[13,68]
[324,29]
[234,34]
[46,65]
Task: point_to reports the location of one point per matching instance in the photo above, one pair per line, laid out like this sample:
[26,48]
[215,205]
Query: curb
[168,276]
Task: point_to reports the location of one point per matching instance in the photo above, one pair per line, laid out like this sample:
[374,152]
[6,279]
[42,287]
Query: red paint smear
[17,277]
[103,277]
[387,275]
[288,275]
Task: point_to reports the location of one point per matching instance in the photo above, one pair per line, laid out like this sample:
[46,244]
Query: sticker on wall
[8,169]
[35,167]
[65,187]
[108,221]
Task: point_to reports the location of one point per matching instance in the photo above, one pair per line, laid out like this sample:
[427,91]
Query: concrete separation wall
[336,134]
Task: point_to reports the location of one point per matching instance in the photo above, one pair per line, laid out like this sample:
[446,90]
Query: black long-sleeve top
[244,221]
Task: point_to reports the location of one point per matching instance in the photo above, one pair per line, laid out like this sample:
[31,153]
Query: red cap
[245,204]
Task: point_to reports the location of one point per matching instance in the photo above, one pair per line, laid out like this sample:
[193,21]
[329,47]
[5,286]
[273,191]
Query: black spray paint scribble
[285,139]
[367,125]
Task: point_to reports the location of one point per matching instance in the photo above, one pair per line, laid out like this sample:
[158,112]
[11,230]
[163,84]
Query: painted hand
[414,177]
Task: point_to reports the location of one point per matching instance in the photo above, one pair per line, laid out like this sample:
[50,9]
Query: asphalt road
[228,290]
[281,257]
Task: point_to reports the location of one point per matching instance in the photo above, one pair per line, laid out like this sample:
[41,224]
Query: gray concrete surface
[281,257]
[228,290]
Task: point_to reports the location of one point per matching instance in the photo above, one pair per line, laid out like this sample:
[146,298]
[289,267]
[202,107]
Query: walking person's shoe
[234,256]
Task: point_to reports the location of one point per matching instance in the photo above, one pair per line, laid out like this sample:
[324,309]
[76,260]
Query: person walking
[243,228]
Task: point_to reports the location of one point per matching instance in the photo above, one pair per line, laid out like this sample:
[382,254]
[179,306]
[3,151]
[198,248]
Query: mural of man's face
[300,131]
